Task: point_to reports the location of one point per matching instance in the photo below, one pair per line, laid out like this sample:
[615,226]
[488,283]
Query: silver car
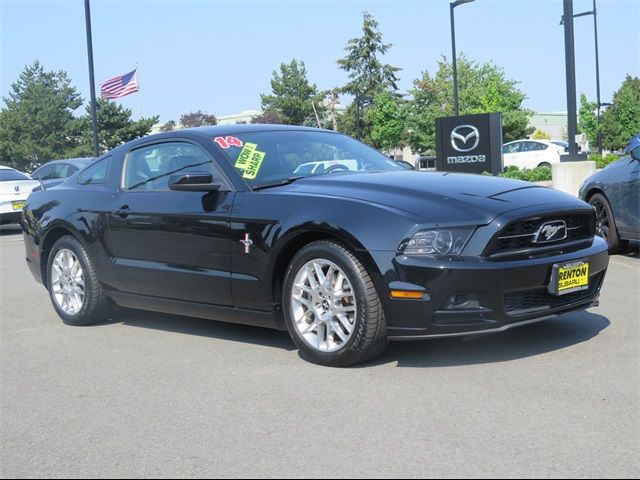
[615,194]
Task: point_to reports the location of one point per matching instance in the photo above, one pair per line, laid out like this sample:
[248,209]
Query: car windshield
[10,175]
[270,158]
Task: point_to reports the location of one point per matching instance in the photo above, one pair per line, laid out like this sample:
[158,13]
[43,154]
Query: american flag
[120,86]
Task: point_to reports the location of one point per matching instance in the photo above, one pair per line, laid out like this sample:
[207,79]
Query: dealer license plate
[569,277]
[17,205]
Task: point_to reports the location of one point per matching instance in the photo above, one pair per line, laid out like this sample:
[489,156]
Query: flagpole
[94,115]
[138,82]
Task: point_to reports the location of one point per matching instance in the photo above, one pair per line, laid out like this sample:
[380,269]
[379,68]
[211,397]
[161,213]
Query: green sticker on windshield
[253,165]
[245,155]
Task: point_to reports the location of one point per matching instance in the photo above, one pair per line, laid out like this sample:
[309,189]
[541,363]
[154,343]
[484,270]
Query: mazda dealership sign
[469,143]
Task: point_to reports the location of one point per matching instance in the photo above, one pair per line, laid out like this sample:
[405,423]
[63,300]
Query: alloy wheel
[67,282]
[323,305]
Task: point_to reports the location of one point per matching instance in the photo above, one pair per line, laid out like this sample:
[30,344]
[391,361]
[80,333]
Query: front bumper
[509,293]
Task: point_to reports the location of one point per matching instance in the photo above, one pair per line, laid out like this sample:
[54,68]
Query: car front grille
[539,299]
[518,237]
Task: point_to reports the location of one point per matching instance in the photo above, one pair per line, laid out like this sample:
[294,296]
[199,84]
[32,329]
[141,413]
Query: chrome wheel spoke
[323,306]
[67,282]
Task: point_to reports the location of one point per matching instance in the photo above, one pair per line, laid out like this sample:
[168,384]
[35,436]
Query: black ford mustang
[310,231]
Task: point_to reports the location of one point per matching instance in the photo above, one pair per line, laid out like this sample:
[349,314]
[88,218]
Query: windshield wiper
[279,183]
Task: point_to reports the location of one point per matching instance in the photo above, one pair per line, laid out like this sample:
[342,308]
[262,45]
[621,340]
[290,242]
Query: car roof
[78,162]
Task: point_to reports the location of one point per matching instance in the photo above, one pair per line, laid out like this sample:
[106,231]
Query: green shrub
[538,174]
[603,161]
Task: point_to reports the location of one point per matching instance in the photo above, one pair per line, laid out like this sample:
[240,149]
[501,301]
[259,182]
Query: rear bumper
[509,293]
[10,217]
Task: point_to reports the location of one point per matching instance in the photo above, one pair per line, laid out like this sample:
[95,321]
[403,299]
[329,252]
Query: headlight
[449,241]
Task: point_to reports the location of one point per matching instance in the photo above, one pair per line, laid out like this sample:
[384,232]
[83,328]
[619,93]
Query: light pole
[595,35]
[453,5]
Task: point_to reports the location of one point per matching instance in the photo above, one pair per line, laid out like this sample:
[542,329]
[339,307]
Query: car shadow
[10,230]
[204,328]
[632,251]
[521,342]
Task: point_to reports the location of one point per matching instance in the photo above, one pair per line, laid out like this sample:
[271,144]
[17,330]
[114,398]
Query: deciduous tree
[482,89]
[621,120]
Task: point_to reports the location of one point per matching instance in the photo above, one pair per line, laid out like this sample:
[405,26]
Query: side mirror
[635,153]
[194,182]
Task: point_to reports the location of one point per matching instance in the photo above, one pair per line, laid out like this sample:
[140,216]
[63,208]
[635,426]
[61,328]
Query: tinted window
[10,175]
[150,168]
[97,173]
[263,158]
[45,172]
[64,170]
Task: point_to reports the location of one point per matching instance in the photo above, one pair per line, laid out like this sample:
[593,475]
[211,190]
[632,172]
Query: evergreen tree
[368,76]
[115,127]
[292,94]
[37,123]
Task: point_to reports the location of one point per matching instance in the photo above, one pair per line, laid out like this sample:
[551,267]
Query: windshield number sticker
[228,142]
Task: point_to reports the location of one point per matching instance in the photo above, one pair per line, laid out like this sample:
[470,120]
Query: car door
[531,155]
[629,191]
[171,244]
[510,153]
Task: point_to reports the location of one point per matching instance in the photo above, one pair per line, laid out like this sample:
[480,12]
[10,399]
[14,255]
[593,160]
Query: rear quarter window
[97,173]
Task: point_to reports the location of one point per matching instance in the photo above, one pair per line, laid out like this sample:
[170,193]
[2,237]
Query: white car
[326,166]
[15,187]
[532,153]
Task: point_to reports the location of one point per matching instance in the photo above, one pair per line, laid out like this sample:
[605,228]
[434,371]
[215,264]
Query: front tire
[331,307]
[605,223]
[73,285]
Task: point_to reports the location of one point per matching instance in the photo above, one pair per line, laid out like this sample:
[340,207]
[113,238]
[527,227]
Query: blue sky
[218,55]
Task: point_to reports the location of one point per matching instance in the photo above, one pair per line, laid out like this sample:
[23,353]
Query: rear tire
[331,307]
[545,164]
[73,285]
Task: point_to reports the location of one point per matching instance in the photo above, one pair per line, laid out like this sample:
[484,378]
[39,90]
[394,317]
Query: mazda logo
[461,138]
[16,188]
[551,232]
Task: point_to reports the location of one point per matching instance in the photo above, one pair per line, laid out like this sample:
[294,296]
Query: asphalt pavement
[150,395]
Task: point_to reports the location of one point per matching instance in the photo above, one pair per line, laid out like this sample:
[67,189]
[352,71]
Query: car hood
[442,198]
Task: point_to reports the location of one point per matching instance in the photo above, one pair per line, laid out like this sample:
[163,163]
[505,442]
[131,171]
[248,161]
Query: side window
[97,173]
[63,170]
[512,148]
[45,172]
[151,167]
[531,146]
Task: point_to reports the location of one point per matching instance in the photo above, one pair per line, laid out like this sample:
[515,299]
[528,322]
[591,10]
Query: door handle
[123,211]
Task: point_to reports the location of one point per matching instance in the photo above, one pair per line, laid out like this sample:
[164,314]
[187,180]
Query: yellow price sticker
[245,155]
[253,166]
